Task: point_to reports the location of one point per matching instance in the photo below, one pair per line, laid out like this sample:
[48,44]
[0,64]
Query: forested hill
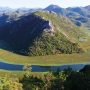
[41,33]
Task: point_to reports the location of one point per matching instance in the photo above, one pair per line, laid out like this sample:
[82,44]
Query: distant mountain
[79,15]
[27,10]
[41,33]
[80,10]
[6,10]
[7,15]
[56,9]
[87,7]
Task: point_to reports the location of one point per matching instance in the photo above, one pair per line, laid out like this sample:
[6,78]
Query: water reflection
[37,68]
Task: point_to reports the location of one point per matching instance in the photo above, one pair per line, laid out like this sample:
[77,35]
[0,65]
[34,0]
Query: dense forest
[59,80]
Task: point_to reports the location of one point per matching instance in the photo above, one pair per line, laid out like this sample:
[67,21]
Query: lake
[37,68]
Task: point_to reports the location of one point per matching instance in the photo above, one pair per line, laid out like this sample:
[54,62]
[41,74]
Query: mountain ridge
[41,33]
[79,15]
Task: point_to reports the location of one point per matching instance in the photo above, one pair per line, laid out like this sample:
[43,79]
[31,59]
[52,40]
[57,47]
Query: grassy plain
[59,59]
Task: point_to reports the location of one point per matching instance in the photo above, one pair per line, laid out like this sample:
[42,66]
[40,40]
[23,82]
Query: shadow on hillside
[19,34]
[10,50]
[7,47]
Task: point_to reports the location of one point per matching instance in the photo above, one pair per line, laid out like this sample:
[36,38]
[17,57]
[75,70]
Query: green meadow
[59,59]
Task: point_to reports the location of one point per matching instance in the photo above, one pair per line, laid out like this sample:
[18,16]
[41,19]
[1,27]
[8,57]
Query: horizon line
[41,7]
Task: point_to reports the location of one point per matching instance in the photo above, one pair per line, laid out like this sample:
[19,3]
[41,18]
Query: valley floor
[60,59]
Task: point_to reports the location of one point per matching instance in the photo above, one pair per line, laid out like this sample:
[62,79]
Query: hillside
[41,33]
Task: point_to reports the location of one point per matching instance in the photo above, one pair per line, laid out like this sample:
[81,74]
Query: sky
[42,3]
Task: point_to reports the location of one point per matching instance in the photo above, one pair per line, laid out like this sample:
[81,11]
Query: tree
[9,84]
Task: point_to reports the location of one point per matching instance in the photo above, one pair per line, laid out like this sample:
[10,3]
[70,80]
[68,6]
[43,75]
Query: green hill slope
[63,36]
[42,33]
